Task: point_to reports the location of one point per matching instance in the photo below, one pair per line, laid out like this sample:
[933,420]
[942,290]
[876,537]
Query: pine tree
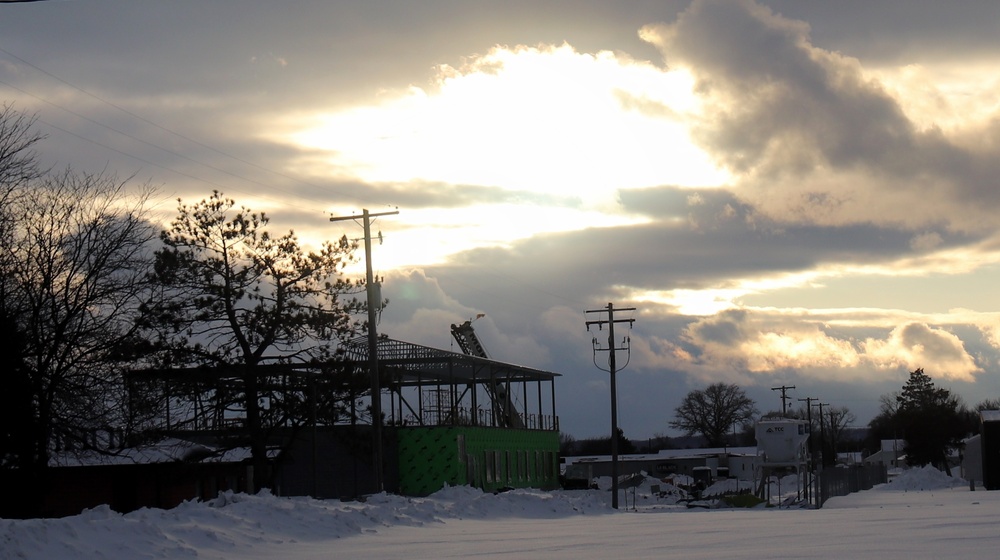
[931,420]
[238,299]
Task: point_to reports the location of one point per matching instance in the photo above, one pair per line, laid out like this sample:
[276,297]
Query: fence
[843,481]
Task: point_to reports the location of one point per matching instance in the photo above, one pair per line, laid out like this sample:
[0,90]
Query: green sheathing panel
[486,458]
[428,458]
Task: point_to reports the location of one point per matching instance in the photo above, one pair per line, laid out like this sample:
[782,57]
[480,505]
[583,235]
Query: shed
[990,447]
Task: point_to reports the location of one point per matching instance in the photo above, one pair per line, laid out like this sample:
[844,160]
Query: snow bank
[233,525]
[233,522]
[921,478]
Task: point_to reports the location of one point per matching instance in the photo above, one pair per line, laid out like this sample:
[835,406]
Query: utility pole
[784,397]
[822,435]
[809,418]
[612,369]
[373,299]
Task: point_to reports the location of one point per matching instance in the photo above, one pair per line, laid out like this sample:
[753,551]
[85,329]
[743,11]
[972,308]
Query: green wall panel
[486,458]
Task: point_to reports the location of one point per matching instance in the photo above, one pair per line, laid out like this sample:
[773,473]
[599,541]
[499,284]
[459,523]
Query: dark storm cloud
[700,251]
[705,237]
[792,106]
[725,328]
[899,32]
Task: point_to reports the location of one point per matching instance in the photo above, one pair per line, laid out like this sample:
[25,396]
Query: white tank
[782,440]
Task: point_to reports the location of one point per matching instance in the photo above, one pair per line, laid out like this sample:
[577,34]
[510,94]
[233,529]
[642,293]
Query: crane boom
[467,340]
[503,406]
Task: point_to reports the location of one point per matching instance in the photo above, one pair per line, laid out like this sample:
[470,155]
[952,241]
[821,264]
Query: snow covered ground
[920,514]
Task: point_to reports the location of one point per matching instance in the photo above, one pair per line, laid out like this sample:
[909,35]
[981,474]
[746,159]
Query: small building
[161,474]
[891,454]
[972,459]
[989,434]
[732,462]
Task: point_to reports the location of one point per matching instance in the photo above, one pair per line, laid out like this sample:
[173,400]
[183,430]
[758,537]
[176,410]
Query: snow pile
[650,492]
[234,522]
[922,478]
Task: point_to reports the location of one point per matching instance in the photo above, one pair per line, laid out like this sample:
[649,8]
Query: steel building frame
[432,387]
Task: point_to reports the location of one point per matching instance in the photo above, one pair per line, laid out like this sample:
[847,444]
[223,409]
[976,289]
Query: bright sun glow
[710,301]
[562,129]
[429,236]
[547,120]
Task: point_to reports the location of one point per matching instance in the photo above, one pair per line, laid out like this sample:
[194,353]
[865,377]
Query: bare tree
[988,404]
[18,167]
[713,412]
[838,418]
[75,264]
[18,163]
[885,425]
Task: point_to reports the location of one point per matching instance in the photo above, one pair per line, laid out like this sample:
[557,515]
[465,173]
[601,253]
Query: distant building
[732,462]
[990,444]
[890,454]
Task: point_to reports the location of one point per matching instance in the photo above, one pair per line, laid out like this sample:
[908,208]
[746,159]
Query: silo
[782,440]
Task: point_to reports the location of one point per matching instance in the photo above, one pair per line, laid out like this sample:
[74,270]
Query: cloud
[926,241]
[269,59]
[810,135]
[545,119]
[755,343]
[918,345]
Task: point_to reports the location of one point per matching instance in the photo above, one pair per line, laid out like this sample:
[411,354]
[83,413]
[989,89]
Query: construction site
[430,418]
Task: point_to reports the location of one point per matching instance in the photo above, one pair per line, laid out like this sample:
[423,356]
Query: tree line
[929,420]
[92,289]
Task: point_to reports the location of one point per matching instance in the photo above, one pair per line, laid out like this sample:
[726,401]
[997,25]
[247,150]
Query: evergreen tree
[625,445]
[931,420]
[235,298]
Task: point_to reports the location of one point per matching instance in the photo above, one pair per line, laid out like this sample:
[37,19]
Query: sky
[787,193]
[920,514]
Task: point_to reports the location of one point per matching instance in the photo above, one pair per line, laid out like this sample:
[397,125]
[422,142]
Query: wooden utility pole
[373,298]
[612,369]
[809,470]
[784,389]
[822,436]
